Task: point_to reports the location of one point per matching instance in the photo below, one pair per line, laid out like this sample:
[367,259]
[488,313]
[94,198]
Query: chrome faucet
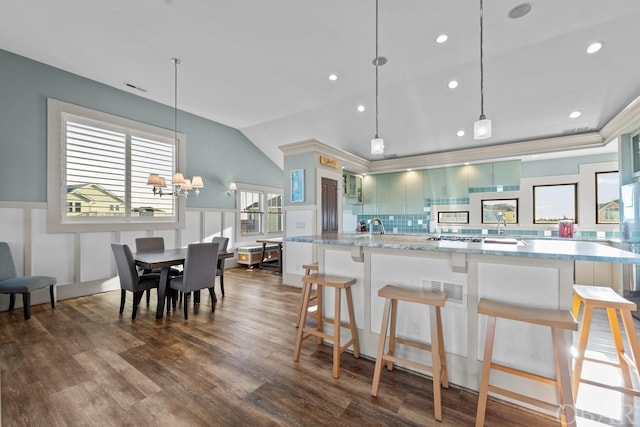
[503,220]
[373,221]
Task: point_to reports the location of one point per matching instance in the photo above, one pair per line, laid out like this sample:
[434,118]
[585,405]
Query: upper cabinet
[448,182]
[489,175]
[414,181]
[352,187]
[369,195]
[391,193]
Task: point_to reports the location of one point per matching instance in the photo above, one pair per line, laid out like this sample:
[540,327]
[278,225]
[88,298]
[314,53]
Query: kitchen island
[536,273]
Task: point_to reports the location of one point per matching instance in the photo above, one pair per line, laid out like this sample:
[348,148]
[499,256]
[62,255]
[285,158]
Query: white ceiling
[262,66]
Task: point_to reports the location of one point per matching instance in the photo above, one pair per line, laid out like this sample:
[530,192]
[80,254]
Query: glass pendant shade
[482,128]
[377,146]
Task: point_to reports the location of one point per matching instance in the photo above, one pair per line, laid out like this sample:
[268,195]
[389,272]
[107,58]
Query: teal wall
[563,165]
[304,161]
[220,154]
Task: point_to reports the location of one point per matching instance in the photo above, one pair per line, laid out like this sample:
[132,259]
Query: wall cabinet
[414,181]
[369,195]
[352,187]
[493,174]
[393,193]
[445,182]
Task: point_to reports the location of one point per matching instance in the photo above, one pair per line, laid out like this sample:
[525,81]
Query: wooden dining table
[164,260]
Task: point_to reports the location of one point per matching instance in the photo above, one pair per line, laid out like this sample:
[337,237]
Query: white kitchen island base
[535,282]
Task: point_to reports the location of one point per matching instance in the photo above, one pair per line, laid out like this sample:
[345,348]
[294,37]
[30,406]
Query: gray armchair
[129,278]
[199,273]
[12,285]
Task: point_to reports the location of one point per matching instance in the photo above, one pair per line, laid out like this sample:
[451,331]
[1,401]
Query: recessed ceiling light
[460,133]
[520,11]
[575,114]
[333,77]
[442,38]
[467,163]
[360,108]
[594,47]
[409,169]
[453,84]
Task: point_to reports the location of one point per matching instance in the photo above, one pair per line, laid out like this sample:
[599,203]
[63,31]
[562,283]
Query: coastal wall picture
[297,185]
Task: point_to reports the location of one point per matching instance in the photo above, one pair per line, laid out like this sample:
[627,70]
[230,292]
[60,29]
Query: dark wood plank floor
[83,364]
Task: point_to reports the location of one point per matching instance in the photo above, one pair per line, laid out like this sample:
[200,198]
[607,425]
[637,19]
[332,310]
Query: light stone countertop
[521,247]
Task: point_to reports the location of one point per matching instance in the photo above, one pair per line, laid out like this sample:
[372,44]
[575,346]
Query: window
[260,210]
[494,211]
[607,198]
[104,167]
[553,203]
[250,212]
[274,212]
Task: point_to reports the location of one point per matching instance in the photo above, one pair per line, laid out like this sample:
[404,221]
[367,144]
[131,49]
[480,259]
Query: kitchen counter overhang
[536,248]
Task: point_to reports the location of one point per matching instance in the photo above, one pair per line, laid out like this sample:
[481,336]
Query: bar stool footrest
[611,387]
[523,398]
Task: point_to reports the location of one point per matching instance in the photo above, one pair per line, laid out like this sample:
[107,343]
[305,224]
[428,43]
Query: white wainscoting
[83,262]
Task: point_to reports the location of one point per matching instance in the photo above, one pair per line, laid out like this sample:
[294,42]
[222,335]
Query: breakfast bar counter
[535,273]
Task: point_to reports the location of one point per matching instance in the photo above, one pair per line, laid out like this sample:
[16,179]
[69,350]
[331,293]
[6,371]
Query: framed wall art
[297,185]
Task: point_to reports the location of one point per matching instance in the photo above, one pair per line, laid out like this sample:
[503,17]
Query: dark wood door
[329,205]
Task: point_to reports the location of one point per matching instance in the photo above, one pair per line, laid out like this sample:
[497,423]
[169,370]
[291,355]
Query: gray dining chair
[153,244]
[11,284]
[222,242]
[130,280]
[199,273]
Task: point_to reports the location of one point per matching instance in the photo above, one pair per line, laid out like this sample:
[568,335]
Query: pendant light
[482,127]
[377,143]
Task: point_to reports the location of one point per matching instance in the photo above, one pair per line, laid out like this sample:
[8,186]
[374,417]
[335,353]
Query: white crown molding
[624,122]
[350,161]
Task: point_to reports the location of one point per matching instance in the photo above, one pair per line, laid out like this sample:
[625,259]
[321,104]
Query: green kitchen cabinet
[448,182]
[369,195]
[391,193]
[480,175]
[352,187]
[493,174]
[414,184]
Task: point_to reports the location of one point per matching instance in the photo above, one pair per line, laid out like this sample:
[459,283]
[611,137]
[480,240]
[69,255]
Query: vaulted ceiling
[263,66]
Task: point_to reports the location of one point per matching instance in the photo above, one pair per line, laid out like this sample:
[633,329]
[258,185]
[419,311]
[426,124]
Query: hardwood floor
[83,364]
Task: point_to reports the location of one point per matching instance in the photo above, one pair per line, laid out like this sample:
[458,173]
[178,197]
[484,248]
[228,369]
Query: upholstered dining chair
[130,280]
[153,244]
[12,285]
[222,242]
[199,273]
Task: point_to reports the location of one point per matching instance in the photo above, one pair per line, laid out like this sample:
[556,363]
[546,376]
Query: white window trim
[56,191]
[264,190]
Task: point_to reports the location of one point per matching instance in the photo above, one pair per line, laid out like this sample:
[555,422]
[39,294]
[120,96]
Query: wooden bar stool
[604,297]
[438,368]
[308,268]
[557,320]
[338,283]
